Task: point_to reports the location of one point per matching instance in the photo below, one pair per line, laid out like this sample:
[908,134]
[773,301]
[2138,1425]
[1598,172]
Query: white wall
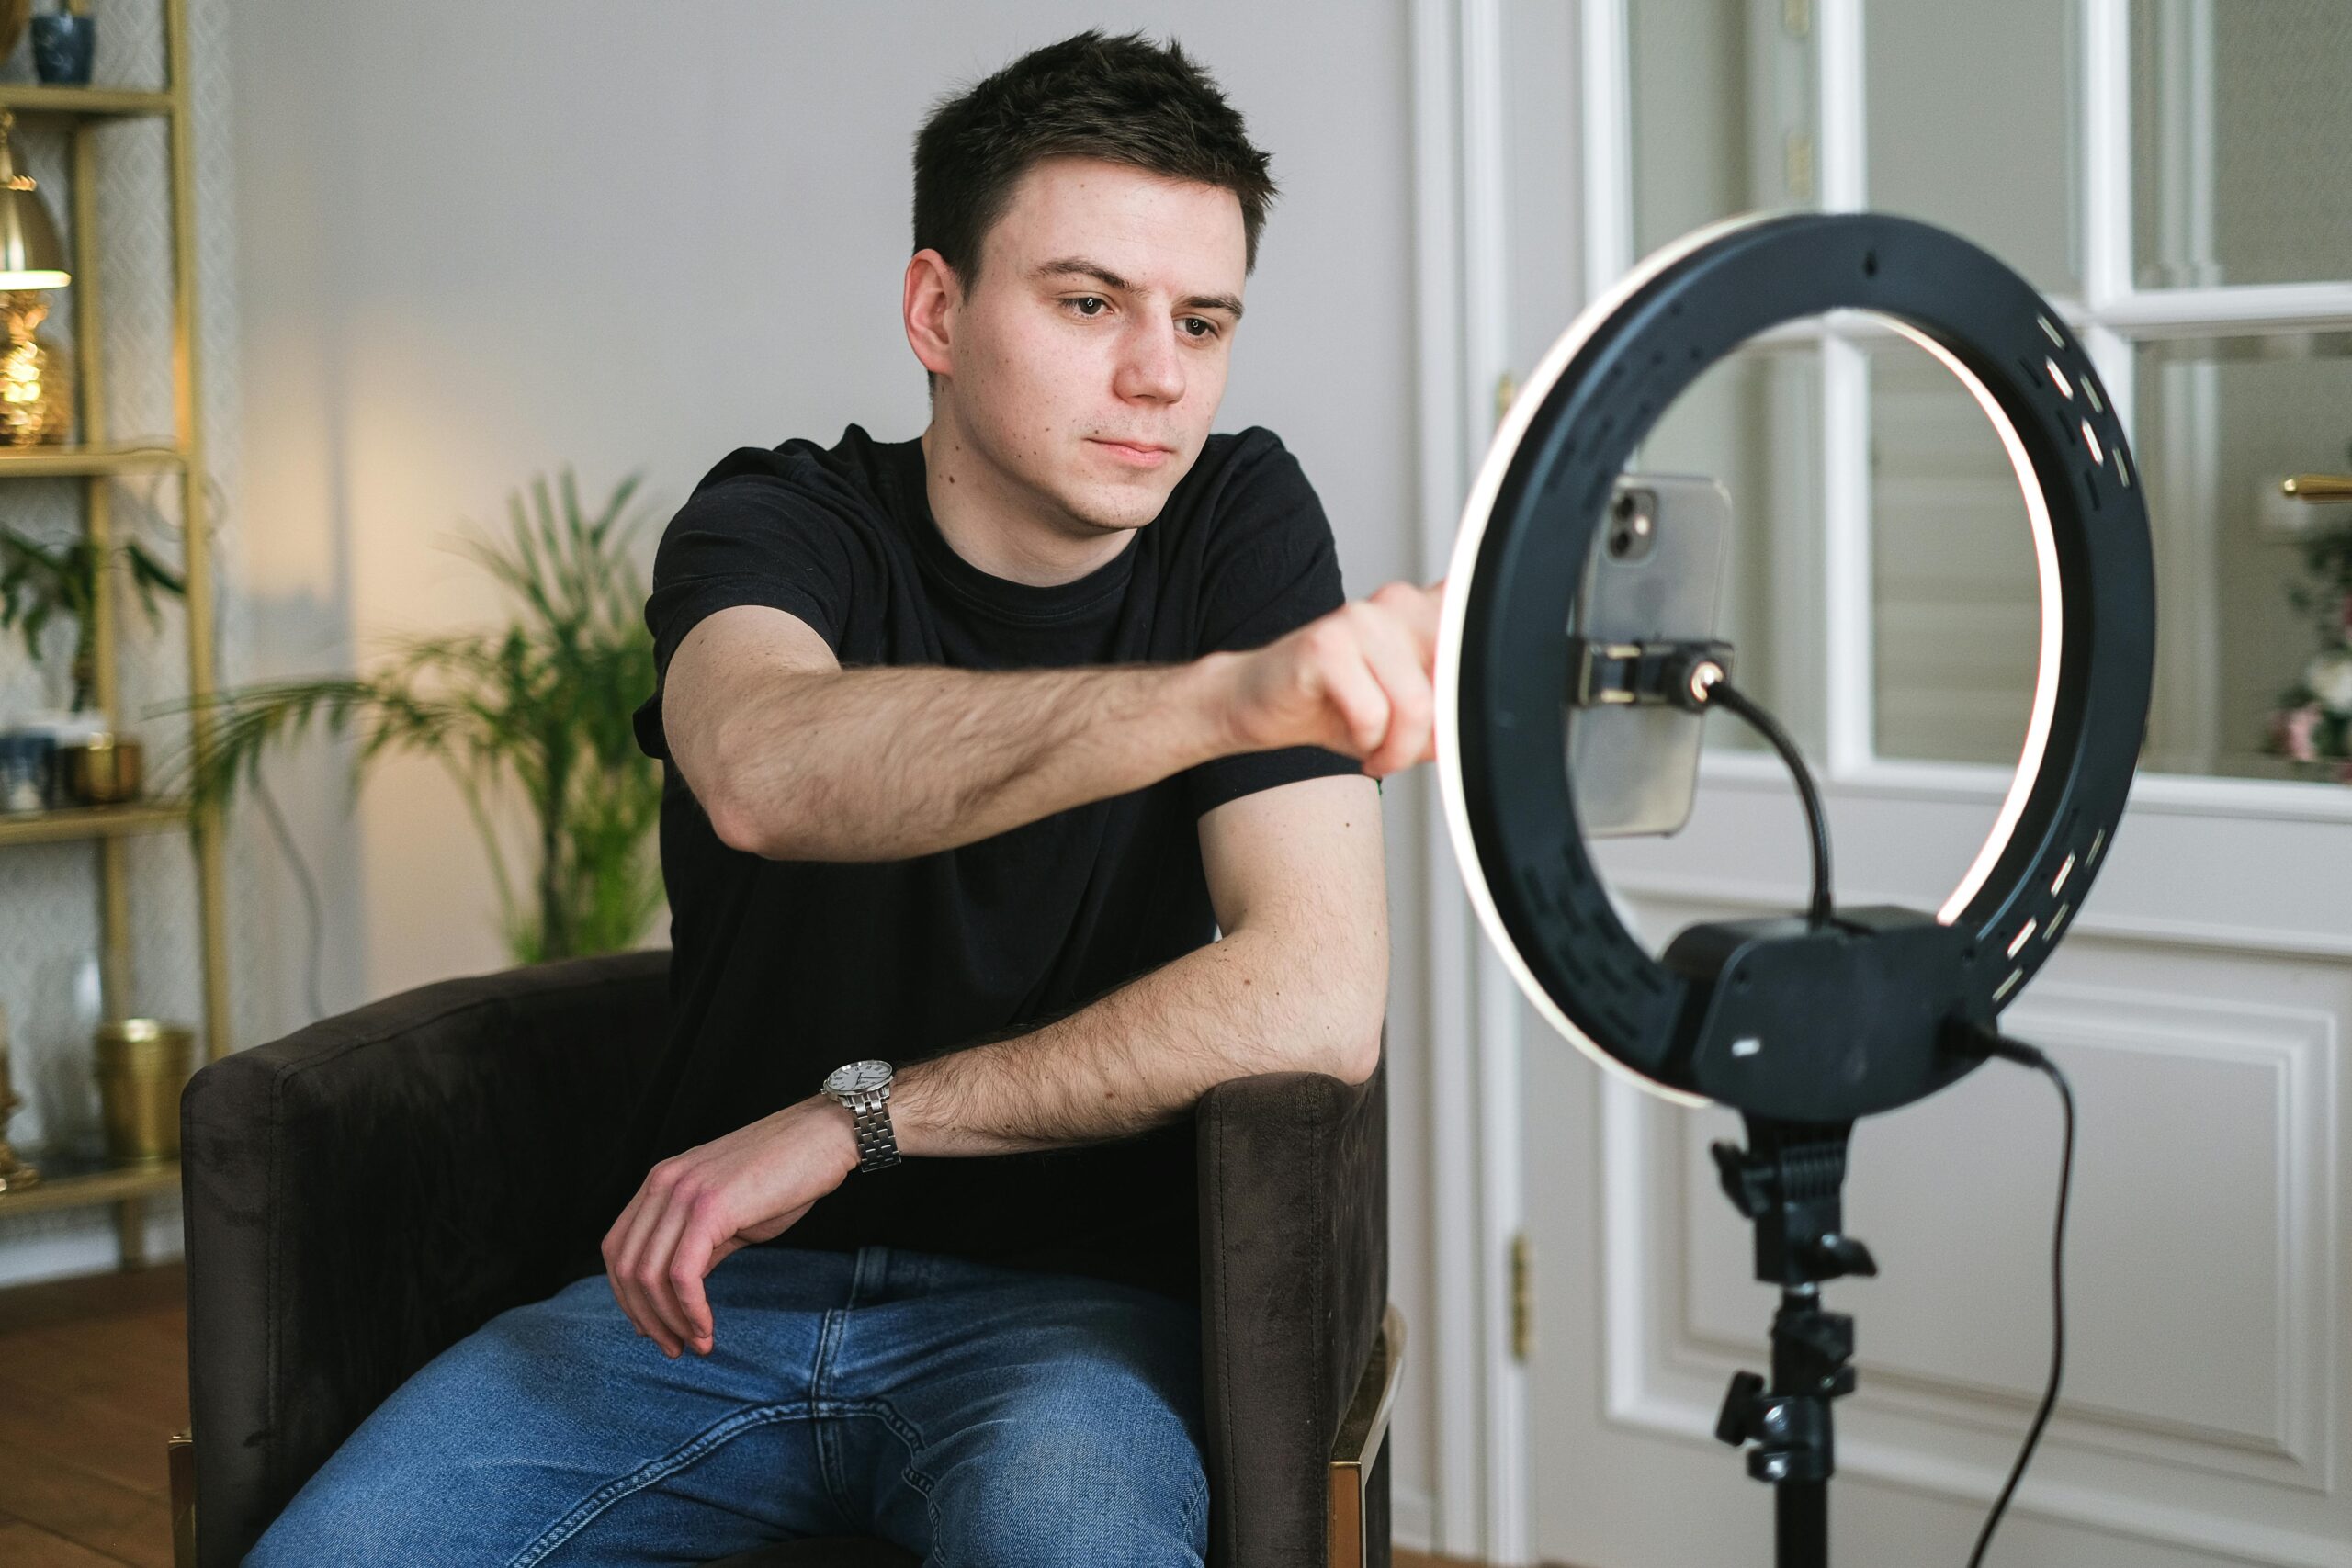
[480,241]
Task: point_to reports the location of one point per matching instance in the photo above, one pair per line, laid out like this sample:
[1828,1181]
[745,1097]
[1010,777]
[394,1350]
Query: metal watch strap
[877,1146]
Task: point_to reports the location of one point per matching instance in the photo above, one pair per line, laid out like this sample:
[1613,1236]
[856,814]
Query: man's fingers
[1390,651]
[617,1254]
[649,1210]
[688,1265]
[1415,609]
[1429,753]
[1349,685]
[654,1270]
[642,1309]
[1397,630]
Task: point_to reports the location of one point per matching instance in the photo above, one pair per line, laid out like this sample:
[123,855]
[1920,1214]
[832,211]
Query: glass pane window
[2001,168]
[2240,127]
[2252,664]
[1955,602]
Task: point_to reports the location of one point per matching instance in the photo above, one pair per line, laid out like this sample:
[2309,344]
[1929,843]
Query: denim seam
[669,1464]
[1196,1506]
[829,1453]
[882,1410]
[937,1556]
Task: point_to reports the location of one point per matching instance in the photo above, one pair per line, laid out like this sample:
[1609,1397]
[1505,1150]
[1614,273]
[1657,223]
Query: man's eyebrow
[1079,266]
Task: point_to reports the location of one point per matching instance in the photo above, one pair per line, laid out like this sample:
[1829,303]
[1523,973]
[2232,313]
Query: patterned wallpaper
[48,931]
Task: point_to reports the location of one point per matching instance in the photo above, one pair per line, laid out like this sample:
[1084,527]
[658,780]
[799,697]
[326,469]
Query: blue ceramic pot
[64,47]
[26,768]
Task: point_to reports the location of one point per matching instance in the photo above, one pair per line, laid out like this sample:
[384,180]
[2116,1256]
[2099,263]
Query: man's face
[1091,354]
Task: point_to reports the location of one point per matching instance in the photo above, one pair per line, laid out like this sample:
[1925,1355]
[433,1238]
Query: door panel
[2208,1285]
[2201,996]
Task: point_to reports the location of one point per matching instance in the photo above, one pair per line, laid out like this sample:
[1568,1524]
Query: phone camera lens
[1632,524]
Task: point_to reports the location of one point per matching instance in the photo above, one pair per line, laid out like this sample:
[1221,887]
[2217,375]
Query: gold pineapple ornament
[36,380]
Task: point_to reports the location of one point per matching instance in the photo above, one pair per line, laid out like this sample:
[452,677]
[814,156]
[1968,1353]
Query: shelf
[109,457]
[29,98]
[69,823]
[69,1178]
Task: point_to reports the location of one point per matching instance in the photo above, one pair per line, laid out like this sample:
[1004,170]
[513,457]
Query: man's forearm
[872,764]
[1138,1058]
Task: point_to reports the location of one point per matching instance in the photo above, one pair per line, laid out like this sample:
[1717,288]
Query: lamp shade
[31,255]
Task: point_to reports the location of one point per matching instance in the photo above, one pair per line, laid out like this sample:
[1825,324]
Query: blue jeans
[981,1417]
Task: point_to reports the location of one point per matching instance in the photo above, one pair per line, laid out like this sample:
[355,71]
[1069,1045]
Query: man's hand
[717,1197]
[1356,680]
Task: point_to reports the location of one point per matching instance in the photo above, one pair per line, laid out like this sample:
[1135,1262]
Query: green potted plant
[540,707]
[40,584]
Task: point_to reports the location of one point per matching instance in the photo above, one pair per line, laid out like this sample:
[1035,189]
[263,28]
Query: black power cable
[1722,691]
[1977,1039]
[1991,1043]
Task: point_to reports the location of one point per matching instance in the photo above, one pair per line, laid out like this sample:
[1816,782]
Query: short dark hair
[1124,100]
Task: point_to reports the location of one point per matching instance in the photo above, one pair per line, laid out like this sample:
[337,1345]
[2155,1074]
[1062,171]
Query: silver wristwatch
[863,1089]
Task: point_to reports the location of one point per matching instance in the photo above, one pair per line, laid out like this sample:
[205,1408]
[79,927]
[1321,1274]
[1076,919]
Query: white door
[2176,176]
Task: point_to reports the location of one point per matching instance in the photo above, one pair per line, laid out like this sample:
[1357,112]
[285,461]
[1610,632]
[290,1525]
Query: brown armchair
[338,1241]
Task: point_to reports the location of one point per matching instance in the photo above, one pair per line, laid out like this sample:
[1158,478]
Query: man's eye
[1090,304]
[1198,326]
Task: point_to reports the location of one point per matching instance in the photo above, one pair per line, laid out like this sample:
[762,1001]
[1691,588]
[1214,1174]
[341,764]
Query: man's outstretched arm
[794,757]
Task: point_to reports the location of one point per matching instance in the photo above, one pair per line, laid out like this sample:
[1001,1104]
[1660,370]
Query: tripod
[1787,1181]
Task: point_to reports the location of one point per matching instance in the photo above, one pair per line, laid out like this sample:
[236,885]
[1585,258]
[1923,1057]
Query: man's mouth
[1140,454]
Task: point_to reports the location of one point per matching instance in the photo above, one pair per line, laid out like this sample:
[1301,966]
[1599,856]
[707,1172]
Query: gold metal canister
[102,770]
[143,1065]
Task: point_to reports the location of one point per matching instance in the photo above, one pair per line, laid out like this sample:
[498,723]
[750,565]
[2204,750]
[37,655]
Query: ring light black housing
[1774,1017]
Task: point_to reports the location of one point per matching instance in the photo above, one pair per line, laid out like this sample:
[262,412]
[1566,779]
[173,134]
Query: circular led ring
[1528,530]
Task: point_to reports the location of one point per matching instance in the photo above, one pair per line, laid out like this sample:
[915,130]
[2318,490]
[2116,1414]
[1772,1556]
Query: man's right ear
[932,292]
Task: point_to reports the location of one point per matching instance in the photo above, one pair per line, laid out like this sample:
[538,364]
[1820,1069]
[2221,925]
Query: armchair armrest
[365,1192]
[1294,1211]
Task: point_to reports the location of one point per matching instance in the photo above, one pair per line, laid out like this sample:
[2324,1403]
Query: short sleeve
[1270,568]
[750,539]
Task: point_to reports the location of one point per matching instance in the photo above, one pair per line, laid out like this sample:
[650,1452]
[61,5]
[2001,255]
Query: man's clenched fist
[1356,680]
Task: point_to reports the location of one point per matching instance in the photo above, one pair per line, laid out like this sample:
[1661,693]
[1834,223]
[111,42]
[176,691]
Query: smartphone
[1656,574]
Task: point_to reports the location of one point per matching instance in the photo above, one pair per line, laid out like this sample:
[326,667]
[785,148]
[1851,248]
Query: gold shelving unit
[93,822]
[69,1178]
[101,461]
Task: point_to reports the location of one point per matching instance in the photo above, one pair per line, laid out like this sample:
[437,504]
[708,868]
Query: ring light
[1876,987]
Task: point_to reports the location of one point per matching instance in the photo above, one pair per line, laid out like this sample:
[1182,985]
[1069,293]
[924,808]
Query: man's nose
[1151,367]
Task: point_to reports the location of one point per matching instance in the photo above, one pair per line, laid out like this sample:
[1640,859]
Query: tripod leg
[1801,1516]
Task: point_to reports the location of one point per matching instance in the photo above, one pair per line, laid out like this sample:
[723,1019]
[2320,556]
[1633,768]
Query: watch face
[858,1075]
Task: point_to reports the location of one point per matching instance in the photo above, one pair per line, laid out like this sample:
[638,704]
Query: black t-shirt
[783,970]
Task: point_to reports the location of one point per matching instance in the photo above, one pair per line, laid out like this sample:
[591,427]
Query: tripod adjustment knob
[1742,1177]
[1835,1256]
[1738,1423]
[1826,1338]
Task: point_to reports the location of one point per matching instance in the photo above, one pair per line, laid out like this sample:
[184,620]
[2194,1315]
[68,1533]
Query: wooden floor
[93,1380]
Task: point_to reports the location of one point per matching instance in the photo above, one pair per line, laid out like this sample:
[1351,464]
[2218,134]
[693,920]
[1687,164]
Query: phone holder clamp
[1608,675]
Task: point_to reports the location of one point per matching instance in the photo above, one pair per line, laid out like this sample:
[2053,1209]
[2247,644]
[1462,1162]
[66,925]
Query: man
[973,743]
